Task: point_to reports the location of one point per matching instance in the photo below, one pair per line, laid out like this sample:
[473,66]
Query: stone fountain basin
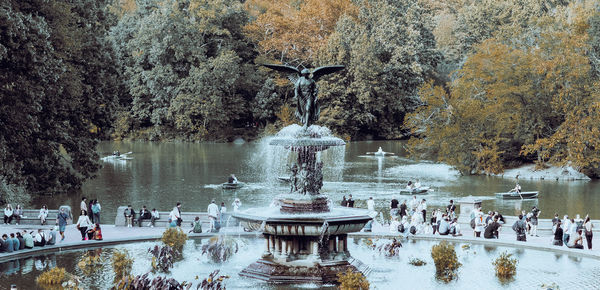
[269,220]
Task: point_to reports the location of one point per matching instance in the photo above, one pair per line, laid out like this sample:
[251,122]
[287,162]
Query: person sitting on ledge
[28,238]
[444,227]
[154,216]
[95,233]
[576,241]
[7,244]
[16,242]
[51,237]
[21,241]
[39,240]
[144,214]
[196,226]
[491,231]
[558,234]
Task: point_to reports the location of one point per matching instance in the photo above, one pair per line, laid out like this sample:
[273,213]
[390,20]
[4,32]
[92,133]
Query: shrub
[220,248]
[352,281]
[54,276]
[121,263]
[417,262]
[162,258]
[446,261]
[174,238]
[57,278]
[506,267]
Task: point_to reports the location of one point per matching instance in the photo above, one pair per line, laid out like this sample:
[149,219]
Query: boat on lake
[420,190]
[380,153]
[117,157]
[515,195]
[284,179]
[234,185]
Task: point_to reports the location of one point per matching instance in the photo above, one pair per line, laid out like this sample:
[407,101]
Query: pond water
[160,174]
[534,268]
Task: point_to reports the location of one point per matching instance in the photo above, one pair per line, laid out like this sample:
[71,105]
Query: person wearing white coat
[83,223]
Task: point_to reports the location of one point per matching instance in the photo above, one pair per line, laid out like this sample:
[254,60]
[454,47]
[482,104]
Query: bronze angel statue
[305,89]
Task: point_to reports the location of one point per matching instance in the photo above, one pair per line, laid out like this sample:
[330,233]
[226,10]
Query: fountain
[305,237]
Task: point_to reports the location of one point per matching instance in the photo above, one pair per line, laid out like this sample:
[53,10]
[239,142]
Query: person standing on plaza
[61,219]
[83,223]
[96,209]
[519,228]
[177,213]
[535,212]
[213,215]
[424,208]
[344,202]
[479,224]
[236,205]
[371,204]
[393,207]
[89,210]
[451,207]
[566,227]
[403,211]
[587,227]
[558,235]
[223,211]
[492,230]
[83,204]
[129,213]
[350,201]
[414,205]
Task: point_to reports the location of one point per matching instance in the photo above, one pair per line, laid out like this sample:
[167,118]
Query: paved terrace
[114,235]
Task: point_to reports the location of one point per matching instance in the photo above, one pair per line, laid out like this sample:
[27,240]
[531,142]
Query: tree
[56,92]
[389,51]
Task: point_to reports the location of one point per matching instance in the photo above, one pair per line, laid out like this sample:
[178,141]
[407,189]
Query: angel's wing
[283,68]
[324,70]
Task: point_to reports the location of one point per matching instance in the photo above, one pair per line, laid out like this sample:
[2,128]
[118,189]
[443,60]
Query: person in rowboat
[517,188]
[232,179]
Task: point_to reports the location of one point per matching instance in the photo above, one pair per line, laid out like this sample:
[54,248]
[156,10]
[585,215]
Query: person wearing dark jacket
[144,214]
[21,241]
[558,235]
[491,231]
[519,228]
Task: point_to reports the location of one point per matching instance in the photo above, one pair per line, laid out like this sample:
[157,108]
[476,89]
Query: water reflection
[162,173]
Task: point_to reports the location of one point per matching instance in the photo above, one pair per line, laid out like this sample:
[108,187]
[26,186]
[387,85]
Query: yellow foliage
[54,276]
[446,261]
[352,281]
[121,263]
[286,115]
[174,238]
[506,267]
[292,30]
[90,263]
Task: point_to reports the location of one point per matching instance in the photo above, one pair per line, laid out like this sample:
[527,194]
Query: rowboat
[420,190]
[380,153]
[228,185]
[515,195]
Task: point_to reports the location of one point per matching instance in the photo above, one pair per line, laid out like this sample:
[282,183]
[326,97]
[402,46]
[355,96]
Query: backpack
[401,228]
[473,223]
[413,230]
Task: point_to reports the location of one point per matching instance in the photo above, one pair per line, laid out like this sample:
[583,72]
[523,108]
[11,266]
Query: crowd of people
[571,231]
[27,239]
[411,218]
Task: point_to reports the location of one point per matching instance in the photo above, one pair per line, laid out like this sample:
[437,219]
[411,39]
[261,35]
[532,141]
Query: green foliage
[388,51]
[352,280]
[187,65]
[417,262]
[54,276]
[57,91]
[174,238]
[506,267]
[121,263]
[446,261]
